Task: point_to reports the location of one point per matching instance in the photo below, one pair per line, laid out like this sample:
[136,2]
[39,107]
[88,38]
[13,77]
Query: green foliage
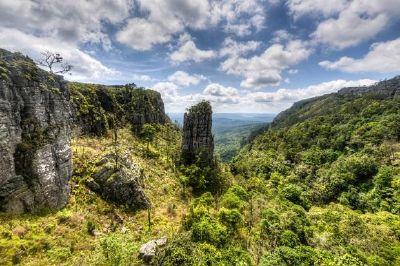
[202,179]
[282,256]
[117,250]
[289,239]
[91,227]
[232,218]
[201,107]
[208,229]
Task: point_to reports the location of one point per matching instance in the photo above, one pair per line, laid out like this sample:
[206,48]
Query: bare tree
[55,63]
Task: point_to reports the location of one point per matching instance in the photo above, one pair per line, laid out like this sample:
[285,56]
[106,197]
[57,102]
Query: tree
[55,63]
[148,133]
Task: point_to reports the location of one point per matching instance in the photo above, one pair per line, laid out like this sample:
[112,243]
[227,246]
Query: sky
[252,56]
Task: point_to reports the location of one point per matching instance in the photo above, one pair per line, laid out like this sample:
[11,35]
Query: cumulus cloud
[188,51]
[383,57]
[336,33]
[240,17]
[266,69]
[166,18]
[299,8]
[168,91]
[67,21]
[231,47]
[184,79]
[85,67]
[215,89]
[293,95]
[347,23]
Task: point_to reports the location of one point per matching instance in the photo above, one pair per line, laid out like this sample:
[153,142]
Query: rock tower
[198,141]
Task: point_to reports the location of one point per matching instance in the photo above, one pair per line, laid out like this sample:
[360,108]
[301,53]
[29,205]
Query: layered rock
[35,154]
[118,181]
[198,141]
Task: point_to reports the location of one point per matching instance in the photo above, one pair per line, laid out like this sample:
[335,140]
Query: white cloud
[300,8]
[281,36]
[165,18]
[85,67]
[168,91]
[142,34]
[67,21]
[337,34]
[188,51]
[215,89]
[240,17]
[383,57]
[140,77]
[293,95]
[266,69]
[347,23]
[184,79]
[231,47]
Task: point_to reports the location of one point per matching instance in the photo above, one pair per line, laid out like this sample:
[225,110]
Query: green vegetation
[90,231]
[100,108]
[320,186]
[324,183]
[229,140]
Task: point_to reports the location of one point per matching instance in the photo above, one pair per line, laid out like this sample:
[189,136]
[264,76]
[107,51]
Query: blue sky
[243,56]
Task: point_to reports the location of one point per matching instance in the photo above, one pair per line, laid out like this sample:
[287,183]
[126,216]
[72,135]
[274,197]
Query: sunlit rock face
[198,141]
[35,153]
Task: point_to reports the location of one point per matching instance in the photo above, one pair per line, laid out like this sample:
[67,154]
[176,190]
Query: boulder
[148,250]
[120,184]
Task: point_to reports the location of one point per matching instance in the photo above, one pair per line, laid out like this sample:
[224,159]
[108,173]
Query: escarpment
[198,141]
[99,108]
[39,113]
[35,153]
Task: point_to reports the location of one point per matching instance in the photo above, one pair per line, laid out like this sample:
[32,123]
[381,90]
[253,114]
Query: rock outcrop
[198,141]
[148,250]
[35,154]
[99,108]
[118,181]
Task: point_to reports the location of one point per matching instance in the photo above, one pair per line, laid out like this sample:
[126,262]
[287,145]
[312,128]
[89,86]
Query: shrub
[289,238]
[118,250]
[209,230]
[232,218]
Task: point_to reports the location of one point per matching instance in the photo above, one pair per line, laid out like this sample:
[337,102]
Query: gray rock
[148,250]
[120,185]
[35,154]
[198,141]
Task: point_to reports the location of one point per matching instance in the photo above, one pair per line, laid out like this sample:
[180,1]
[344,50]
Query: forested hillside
[325,180]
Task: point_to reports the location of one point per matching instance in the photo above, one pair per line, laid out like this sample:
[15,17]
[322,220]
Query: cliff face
[37,112]
[99,108]
[198,141]
[35,154]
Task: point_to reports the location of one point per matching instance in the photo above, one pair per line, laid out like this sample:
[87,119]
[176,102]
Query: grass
[90,231]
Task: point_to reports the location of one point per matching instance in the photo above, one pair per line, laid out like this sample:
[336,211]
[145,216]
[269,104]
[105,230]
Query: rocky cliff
[38,111]
[35,154]
[198,141]
[99,108]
